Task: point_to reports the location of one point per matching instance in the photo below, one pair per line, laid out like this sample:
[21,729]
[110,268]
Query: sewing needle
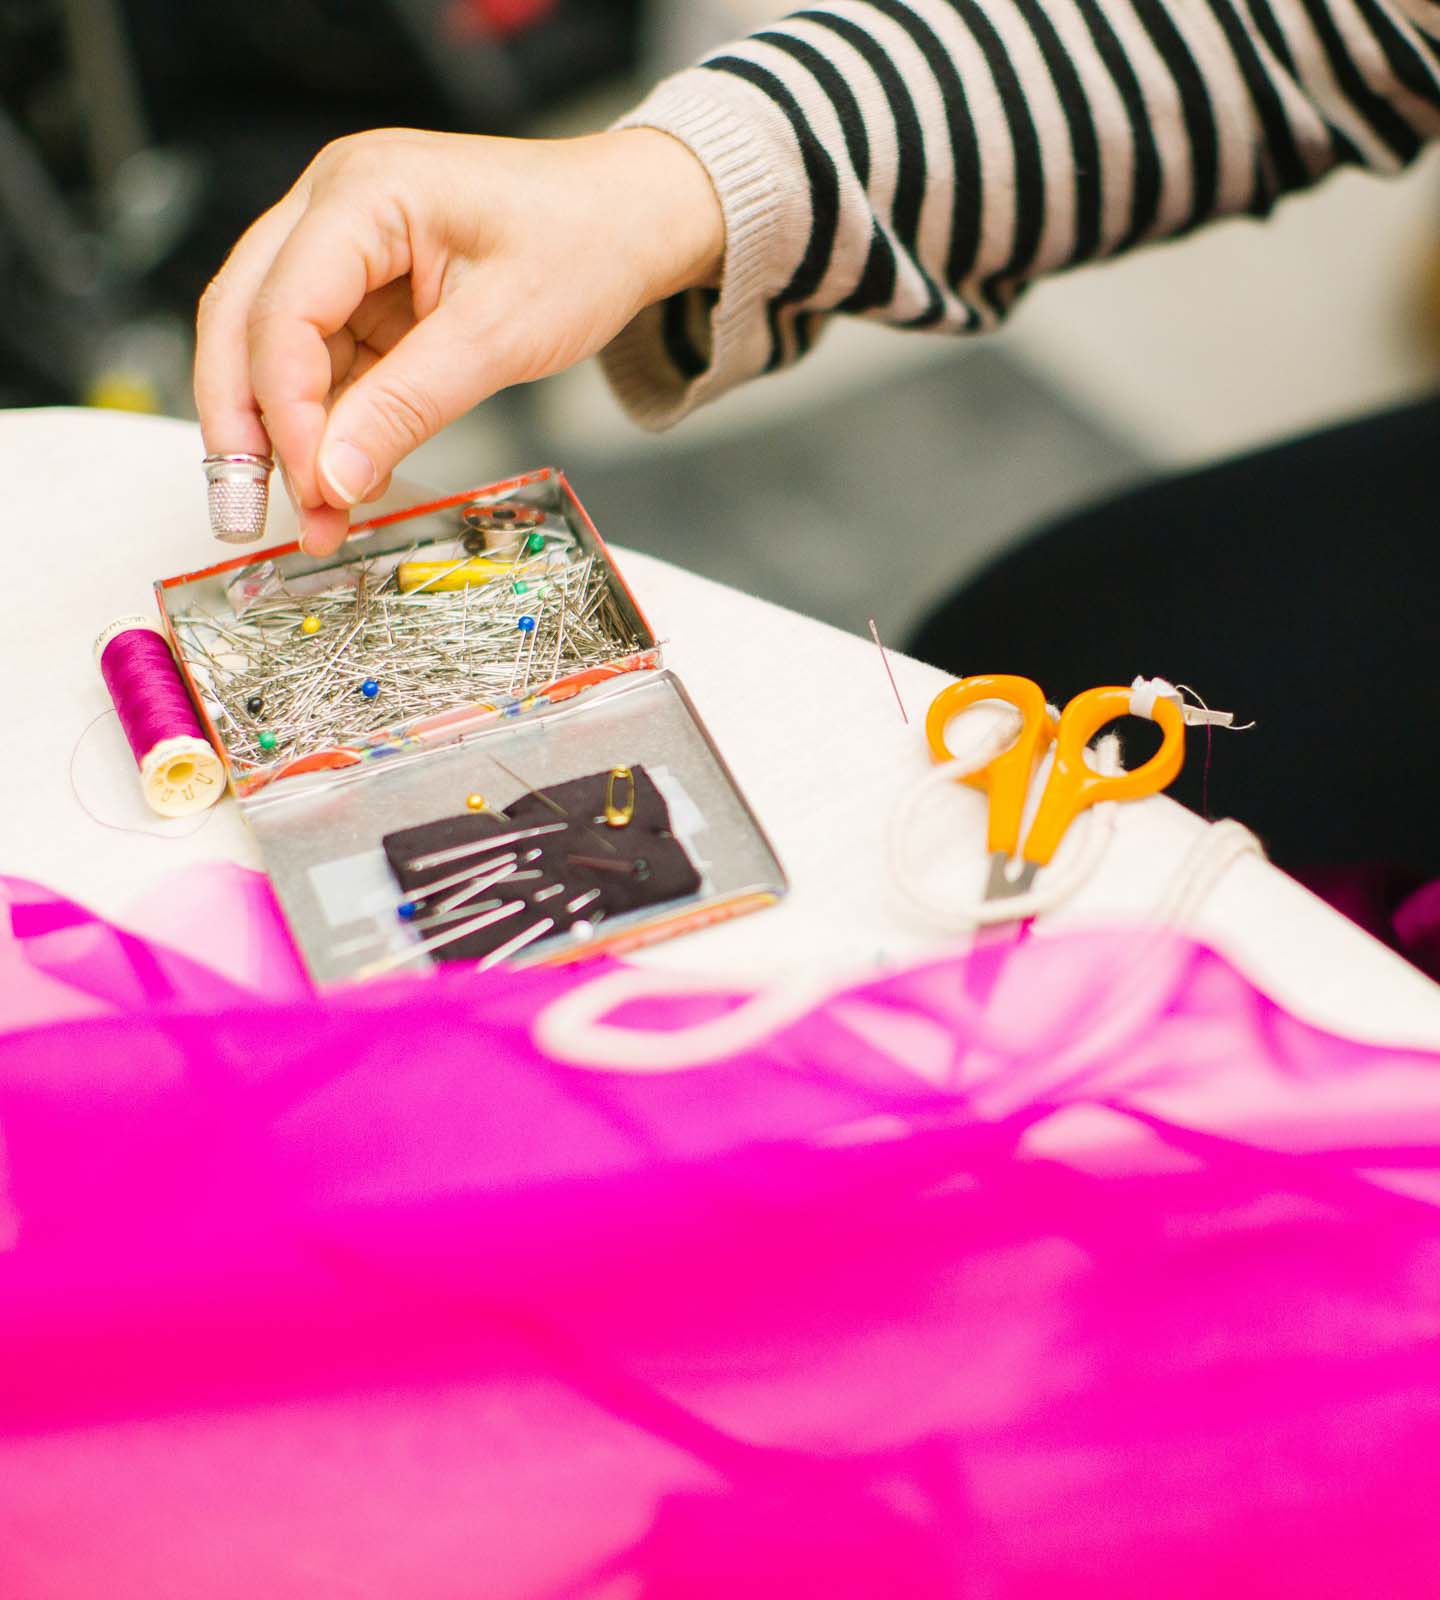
[436,940]
[441,858]
[885,662]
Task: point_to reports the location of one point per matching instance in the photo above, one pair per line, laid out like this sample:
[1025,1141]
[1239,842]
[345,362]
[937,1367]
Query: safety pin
[619,816]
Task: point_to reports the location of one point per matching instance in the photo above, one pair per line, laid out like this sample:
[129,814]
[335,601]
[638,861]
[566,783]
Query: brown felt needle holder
[587,861]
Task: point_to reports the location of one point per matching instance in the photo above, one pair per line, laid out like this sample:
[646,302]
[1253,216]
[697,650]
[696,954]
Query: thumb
[433,375]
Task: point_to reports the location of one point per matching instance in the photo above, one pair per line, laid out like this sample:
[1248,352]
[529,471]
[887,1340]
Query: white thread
[989,735]
[572,1029]
[1200,868]
[162,831]
[1072,869]
[1129,1001]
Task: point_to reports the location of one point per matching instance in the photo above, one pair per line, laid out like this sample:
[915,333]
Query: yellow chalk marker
[436,576]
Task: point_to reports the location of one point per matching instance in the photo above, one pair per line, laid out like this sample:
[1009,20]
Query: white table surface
[98,505]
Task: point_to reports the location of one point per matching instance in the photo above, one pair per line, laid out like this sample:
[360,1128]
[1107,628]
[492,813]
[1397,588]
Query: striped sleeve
[922,161]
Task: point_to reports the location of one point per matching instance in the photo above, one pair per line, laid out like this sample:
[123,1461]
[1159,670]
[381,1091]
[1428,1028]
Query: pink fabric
[1076,1268]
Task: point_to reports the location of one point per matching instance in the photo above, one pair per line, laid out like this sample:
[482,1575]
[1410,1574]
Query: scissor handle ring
[1007,775]
[1074,784]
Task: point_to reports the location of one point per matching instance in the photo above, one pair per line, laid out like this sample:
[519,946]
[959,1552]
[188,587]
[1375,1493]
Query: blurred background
[139,137]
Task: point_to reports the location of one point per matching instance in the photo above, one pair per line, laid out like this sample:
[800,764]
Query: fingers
[440,369]
[229,416]
[266,289]
[230,404]
[383,318]
[333,258]
[343,349]
[378,324]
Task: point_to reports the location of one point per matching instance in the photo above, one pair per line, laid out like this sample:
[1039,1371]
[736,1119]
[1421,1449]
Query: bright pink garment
[1074,1268]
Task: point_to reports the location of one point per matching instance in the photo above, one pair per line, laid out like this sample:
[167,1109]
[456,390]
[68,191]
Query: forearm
[922,162]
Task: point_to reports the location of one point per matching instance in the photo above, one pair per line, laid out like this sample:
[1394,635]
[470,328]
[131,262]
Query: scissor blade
[996,888]
[1000,886]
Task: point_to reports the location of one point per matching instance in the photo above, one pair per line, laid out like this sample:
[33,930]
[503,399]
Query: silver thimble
[239,490]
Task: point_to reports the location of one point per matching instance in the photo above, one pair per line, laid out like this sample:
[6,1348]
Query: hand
[407,276]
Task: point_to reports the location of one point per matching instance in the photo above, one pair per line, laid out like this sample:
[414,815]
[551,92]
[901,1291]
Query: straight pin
[554,805]
[885,662]
[427,651]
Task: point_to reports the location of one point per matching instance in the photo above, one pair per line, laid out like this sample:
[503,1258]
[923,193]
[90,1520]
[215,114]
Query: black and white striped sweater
[922,161]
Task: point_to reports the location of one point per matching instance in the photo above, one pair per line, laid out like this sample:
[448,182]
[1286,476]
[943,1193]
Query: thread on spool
[179,770]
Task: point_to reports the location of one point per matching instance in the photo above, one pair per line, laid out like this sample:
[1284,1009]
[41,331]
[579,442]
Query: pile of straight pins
[296,673]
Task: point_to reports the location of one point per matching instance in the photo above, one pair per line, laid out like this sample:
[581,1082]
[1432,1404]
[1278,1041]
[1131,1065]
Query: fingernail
[289,487]
[347,470]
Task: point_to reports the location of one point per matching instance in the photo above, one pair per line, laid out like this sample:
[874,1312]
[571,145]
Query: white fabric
[101,504]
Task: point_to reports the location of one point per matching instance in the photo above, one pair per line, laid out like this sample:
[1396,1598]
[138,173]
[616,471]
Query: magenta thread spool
[179,770]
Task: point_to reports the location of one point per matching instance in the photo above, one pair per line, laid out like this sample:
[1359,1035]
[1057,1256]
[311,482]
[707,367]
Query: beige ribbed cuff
[752,158]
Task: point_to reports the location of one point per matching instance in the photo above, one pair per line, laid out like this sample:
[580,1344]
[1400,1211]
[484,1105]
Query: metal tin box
[319,816]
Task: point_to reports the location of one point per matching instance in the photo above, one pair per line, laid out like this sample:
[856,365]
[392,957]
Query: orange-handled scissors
[1072,785]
